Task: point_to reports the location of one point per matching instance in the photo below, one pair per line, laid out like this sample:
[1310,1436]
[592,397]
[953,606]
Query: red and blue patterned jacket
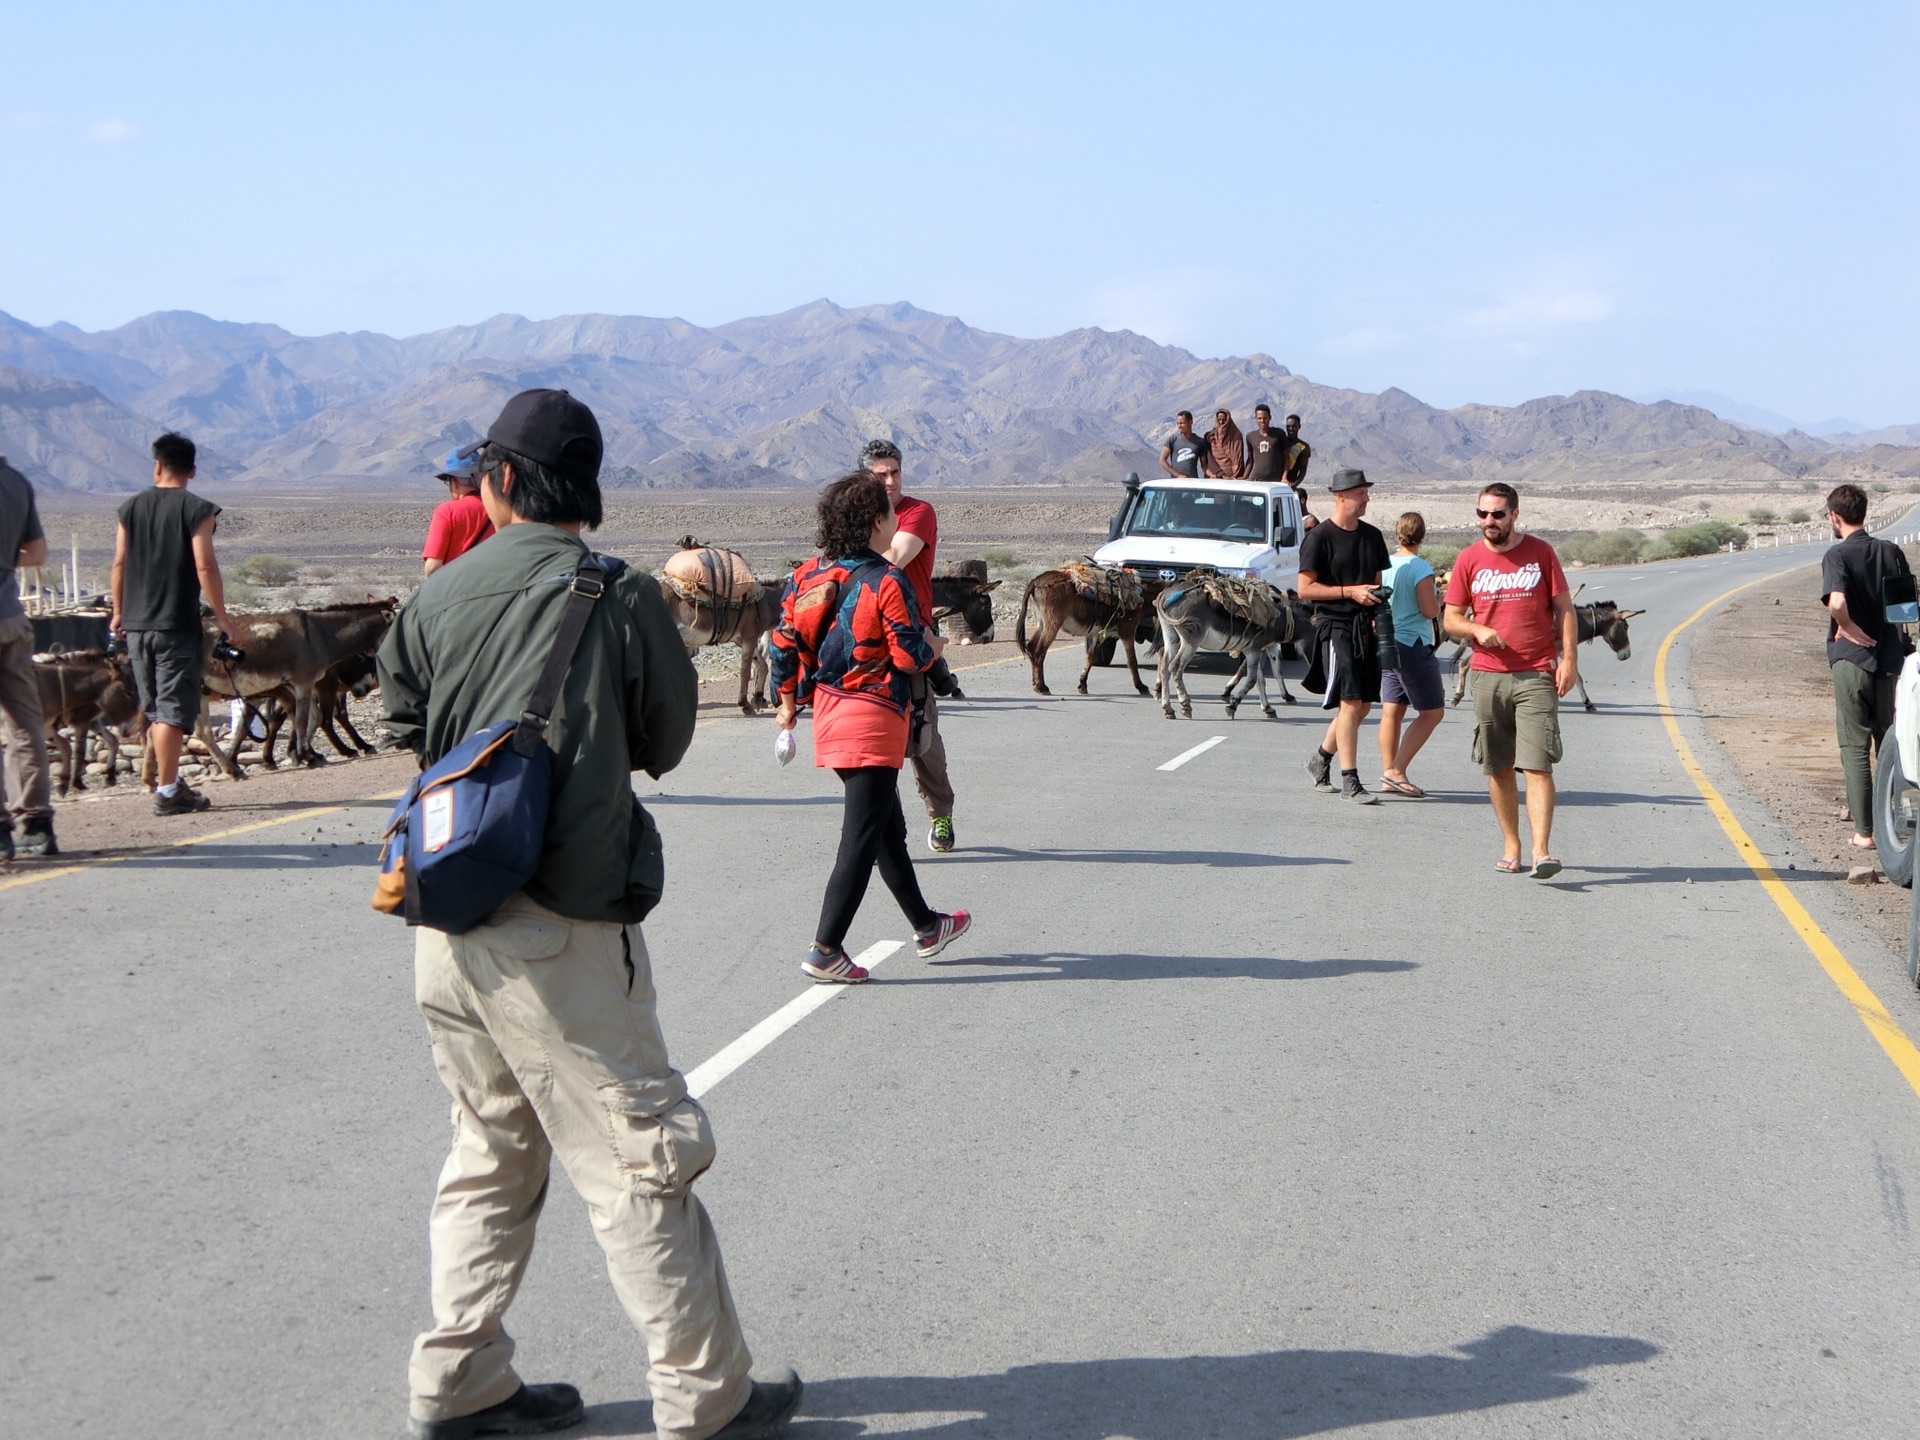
[852,625]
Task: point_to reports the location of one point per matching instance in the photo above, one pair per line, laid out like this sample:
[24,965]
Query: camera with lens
[228,653]
[1386,647]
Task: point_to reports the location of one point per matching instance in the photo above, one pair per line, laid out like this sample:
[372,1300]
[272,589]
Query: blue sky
[1472,203]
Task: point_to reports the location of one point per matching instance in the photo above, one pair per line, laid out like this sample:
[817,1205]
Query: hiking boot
[835,969]
[1320,767]
[943,932]
[36,836]
[940,837]
[767,1411]
[186,801]
[530,1410]
[1352,789]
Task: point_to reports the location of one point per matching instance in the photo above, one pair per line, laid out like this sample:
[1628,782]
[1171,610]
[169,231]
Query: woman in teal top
[1416,681]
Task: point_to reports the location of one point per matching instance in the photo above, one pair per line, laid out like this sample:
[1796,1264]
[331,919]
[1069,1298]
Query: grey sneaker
[1352,789]
[1320,767]
[36,836]
[184,801]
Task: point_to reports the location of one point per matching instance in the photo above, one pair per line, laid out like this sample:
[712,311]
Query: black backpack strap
[589,583]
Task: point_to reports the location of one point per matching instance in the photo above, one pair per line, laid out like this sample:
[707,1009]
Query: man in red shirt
[1524,633]
[461,523]
[912,553]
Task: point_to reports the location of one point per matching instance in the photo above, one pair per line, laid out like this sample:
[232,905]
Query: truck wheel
[1103,652]
[1894,810]
[1913,940]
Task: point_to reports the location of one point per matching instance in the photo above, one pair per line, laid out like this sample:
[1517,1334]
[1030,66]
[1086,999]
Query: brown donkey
[1064,608]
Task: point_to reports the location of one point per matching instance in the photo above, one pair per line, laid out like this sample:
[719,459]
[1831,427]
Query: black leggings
[872,828]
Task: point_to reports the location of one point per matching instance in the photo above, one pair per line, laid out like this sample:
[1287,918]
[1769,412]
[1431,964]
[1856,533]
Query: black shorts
[1352,672]
[167,668]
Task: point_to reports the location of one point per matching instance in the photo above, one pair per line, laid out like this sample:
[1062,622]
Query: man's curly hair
[877,450]
[848,508]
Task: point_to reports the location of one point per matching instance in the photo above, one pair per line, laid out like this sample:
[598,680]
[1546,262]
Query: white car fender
[1906,715]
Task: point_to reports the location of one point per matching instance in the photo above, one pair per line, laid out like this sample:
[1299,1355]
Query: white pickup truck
[1239,527]
[1896,800]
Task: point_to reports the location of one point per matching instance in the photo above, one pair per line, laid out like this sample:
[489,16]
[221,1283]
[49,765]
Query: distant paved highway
[1244,1112]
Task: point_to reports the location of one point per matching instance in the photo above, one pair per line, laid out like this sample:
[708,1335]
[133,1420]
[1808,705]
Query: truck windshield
[1201,515]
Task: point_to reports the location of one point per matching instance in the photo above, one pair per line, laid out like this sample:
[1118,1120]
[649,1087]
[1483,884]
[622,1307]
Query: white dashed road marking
[1186,755]
[709,1073]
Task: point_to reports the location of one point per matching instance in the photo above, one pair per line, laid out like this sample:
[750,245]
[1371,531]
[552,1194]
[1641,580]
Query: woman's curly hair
[848,508]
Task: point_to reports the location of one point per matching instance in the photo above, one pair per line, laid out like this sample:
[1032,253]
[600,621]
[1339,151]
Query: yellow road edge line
[1867,1005]
[34,877]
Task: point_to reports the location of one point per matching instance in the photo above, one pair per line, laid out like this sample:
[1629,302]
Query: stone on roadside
[1863,875]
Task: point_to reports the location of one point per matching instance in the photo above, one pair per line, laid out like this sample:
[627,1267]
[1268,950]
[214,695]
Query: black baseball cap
[1348,480]
[552,428]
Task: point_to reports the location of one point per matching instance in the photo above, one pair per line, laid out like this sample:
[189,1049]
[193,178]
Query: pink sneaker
[835,969]
[948,928]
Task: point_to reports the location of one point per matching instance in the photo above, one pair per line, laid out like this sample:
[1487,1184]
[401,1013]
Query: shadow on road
[1571,877]
[1565,799]
[1218,859]
[741,800]
[1066,965]
[318,856]
[1276,1395]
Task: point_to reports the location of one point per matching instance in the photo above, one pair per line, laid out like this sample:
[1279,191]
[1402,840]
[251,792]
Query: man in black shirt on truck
[162,563]
[1340,565]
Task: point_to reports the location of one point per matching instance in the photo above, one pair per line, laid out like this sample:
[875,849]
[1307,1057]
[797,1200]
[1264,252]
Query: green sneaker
[940,837]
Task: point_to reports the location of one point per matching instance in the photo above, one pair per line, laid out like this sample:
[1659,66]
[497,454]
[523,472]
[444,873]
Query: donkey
[1191,621]
[293,649]
[704,621]
[970,598]
[1602,620]
[1064,610]
[353,677]
[89,691]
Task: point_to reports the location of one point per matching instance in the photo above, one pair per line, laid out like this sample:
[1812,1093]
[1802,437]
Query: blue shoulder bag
[468,833]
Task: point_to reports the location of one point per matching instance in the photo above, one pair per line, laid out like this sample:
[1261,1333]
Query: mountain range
[788,399]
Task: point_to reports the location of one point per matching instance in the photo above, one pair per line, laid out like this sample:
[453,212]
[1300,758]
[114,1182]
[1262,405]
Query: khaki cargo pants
[25,793]
[545,1033]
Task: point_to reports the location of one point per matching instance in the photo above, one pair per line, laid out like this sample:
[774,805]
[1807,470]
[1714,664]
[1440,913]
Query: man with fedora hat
[1340,565]
[543,1017]
[460,522]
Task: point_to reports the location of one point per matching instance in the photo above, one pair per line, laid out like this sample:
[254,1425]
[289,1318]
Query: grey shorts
[167,666]
[1516,721]
[1417,680]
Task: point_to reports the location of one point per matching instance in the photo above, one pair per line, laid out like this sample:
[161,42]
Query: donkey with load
[1100,602]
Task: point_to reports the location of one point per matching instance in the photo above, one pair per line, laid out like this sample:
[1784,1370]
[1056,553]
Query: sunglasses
[1491,514]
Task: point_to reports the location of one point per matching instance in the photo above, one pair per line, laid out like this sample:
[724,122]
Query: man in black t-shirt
[162,562]
[1266,447]
[1340,565]
[1185,452]
[1864,650]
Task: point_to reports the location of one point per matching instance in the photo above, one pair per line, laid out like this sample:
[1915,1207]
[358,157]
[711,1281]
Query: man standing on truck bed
[1266,447]
[912,553]
[1185,452]
[1226,448]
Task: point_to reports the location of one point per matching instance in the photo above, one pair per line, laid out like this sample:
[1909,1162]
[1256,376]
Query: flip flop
[1403,787]
[1509,867]
[1545,868]
[1863,842]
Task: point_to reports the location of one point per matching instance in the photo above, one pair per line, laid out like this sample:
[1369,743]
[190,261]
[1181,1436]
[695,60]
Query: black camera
[228,653]
[1386,646]
[116,642]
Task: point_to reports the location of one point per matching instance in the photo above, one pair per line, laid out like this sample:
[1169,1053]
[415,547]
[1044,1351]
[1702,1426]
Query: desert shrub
[1761,515]
[1613,547]
[1880,489]
[1701,539]
[240,595]
[1442,556]
[1798,517]
[268,570]
[999,555]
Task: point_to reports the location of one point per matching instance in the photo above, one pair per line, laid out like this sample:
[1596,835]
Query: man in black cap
[543,1018]
[1340,565]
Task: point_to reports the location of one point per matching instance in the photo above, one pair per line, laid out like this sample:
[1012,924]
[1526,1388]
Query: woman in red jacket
[850,634]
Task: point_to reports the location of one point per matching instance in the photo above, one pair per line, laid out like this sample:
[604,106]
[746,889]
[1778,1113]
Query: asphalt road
[1243,1112]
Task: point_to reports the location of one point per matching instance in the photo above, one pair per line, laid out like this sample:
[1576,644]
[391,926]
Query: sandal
[1509,867]
[1863,842]
[1545,867]
[1403,787]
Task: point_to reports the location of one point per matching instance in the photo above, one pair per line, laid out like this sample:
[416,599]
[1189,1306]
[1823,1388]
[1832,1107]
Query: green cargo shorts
[1516,721]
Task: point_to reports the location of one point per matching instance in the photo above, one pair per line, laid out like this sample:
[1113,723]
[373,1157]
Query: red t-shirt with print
[1514,594]
[916,518]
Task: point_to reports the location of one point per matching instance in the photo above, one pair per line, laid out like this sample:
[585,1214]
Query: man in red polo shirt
[461,523]
[912,554]
[1524,635]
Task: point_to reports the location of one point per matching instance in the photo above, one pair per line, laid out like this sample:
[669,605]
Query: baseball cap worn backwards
[1348,480]
[552,428]
[462,464]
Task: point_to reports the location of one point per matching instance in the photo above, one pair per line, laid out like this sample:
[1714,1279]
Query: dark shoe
[6,846]
[530,1410]
[36,836]
[184,801]
[767,1410]
[1352,789]
[1320,767]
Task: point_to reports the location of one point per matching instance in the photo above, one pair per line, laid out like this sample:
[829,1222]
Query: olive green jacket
[465,652]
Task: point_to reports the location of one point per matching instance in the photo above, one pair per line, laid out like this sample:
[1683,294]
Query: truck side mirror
[1286,537]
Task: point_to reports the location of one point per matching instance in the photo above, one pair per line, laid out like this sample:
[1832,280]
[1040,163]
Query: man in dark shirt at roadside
[24,793]
[163,562]
[1864,650]
[1340,565]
